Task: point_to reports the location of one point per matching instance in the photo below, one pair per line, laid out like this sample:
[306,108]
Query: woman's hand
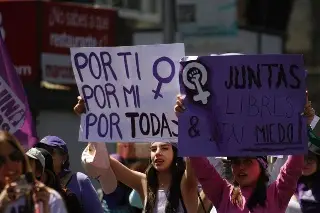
[309,112]
[79,107]
[41,195]
[8,194]
[179,107]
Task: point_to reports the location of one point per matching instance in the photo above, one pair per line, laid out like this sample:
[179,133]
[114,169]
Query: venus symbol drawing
[194,77]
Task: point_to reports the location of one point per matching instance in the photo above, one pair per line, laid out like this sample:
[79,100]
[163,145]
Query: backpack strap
[182,203]
[201,202]
[66,179]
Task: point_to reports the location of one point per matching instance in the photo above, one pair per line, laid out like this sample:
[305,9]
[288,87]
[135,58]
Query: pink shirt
[219,190]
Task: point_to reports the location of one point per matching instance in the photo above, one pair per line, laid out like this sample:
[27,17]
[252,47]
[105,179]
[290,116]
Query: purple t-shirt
[81,185]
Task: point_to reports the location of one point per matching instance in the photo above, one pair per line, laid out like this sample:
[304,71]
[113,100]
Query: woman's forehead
[155,144]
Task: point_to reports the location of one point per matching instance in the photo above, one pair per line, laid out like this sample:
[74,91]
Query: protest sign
[129,92]
[15,116]
[12,109]
[243,105]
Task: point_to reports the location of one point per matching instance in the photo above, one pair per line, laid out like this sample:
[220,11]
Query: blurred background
[38,35]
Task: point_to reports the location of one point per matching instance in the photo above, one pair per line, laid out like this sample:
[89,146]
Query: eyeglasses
[310,160]
[15,156]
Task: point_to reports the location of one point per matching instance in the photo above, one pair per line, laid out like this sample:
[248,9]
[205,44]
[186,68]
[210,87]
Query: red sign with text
[68,25]
[39,34]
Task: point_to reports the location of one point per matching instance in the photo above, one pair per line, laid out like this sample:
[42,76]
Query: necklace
[161,185]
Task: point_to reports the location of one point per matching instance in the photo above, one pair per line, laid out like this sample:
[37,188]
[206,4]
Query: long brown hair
[6,137]
[259,195]
[177,169]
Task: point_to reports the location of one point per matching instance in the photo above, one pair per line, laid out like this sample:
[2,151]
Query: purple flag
[15,115]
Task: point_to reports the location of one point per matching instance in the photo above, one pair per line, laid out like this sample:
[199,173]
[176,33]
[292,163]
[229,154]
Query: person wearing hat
[52,180]
[48,174]
[76,182]
[37,162]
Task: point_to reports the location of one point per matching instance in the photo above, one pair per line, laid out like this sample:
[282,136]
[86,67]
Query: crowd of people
[40,179]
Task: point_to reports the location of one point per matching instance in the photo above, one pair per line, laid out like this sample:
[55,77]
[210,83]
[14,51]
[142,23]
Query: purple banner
[243,105]
[15,115]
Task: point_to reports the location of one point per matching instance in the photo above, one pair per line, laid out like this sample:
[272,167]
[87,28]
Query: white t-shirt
[56,204]
[293,206]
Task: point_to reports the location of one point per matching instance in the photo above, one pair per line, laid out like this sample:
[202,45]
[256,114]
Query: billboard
[68,25]
[38,35]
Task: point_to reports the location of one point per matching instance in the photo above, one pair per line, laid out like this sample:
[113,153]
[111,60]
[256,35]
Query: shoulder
[81,177]
[54,195]
[84,181]
[56,202]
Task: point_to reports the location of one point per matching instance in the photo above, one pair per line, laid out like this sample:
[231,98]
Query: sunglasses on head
[15,156]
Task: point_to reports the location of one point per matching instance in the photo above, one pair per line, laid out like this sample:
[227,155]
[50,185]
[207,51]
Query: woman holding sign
[168,184]
[250,191]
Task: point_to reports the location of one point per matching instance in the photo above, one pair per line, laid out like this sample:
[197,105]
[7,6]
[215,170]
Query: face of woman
[161,155]
[11,162]
[246,171]
[58,159]
[310,164]
[33,164]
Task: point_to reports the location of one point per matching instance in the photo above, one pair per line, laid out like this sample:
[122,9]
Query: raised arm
[107,170]
[212,183]
[189,180]
[204,204]
[189,188]
[286,182]
[133,179]
[95,161]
